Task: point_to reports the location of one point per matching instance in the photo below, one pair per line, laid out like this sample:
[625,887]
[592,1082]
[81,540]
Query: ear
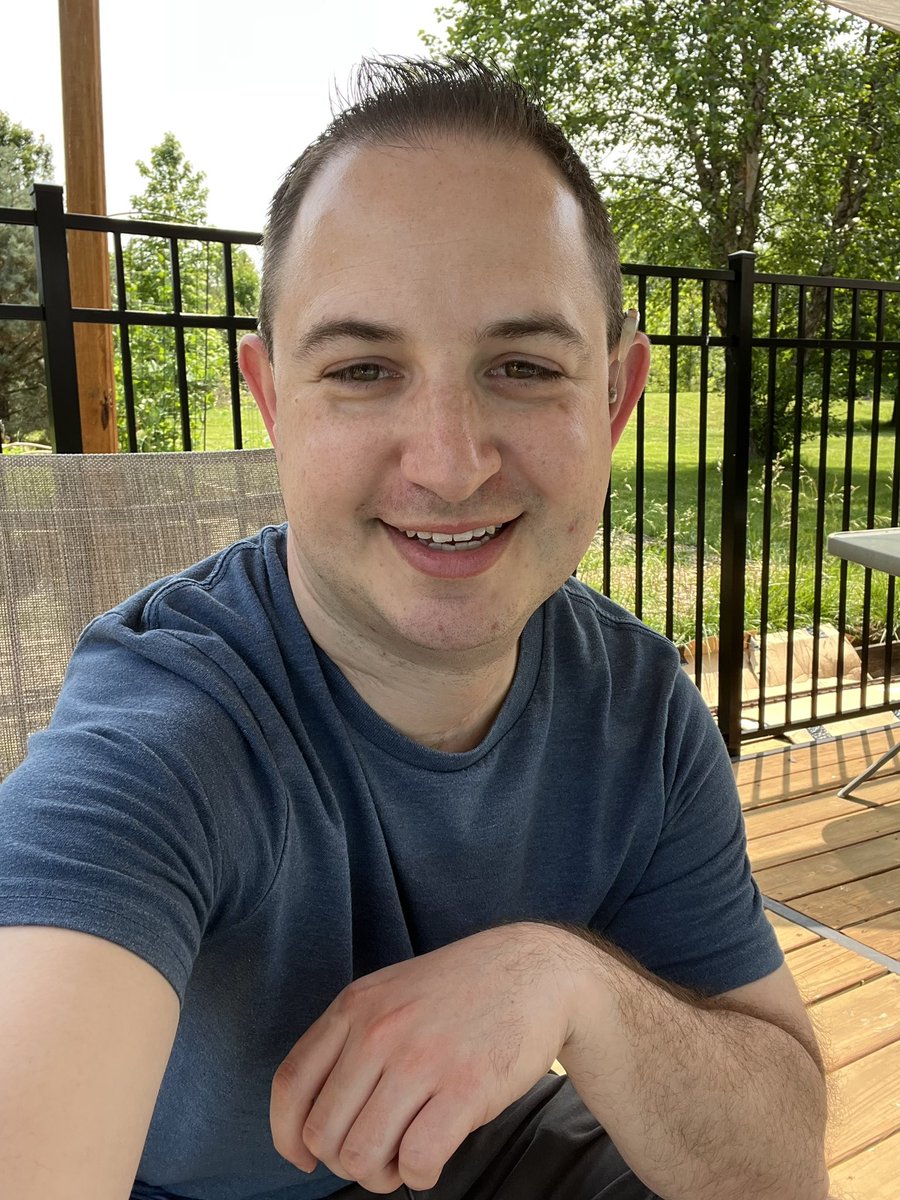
[630,383]
[253,358]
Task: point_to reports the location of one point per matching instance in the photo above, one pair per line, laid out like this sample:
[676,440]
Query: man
[338,840]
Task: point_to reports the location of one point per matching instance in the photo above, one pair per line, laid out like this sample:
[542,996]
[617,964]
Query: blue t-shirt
[213,795]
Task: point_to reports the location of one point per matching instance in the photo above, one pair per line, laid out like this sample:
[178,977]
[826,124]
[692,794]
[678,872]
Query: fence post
[735,480]
[55,297]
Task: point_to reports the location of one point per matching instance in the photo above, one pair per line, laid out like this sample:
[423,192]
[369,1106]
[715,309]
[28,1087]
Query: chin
[455,637]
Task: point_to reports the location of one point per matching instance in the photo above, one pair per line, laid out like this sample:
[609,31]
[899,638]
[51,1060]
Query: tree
[24,157]
[715,127]
[175,192]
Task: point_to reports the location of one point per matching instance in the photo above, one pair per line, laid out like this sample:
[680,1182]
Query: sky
[244,86]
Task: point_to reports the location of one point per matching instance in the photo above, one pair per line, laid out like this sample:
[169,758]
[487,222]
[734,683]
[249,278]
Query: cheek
[572,451]
[328,462]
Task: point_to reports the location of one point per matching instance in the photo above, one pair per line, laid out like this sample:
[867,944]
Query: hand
[406,1062]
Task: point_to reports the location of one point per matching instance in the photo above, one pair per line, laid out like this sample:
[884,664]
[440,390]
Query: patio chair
[81,532]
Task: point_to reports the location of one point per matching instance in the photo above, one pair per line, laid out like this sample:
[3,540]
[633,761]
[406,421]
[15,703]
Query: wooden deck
[831,869]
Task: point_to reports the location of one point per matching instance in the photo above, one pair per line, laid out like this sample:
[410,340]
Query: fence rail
[770,420]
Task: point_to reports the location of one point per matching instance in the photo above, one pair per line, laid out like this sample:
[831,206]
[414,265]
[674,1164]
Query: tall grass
[804,494]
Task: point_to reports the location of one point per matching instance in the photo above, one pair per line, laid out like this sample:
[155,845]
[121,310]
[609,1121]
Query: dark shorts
[546,1146]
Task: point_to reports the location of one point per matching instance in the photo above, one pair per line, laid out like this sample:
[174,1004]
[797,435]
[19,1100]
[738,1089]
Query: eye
[362,372]
[522,369]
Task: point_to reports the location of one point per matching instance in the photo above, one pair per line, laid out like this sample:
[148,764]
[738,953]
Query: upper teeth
[452,537]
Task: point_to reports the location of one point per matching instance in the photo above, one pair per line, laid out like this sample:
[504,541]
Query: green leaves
[713,126]
[176,192]
[739,113]
[24,157]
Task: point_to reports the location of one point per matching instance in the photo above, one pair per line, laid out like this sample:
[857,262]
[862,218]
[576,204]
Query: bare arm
[86,1029]
[704,1103]
[720,1099]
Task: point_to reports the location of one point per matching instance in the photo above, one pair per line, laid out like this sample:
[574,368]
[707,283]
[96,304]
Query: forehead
[455,219]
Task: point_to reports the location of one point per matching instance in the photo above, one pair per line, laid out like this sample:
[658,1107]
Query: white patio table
[878,549]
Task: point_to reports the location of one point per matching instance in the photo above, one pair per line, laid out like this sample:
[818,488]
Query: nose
[448,445]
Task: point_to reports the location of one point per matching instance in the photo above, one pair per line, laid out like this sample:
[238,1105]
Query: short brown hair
[402,100]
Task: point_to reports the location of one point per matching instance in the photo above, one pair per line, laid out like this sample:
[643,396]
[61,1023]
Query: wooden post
[79,41]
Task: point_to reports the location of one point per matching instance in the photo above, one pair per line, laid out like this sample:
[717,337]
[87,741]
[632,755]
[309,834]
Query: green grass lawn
[218,433]
[797,503]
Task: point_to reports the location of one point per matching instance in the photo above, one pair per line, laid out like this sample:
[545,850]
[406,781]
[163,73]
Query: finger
[383,1182]
[296,1083]
[371,1145]
[342,1097]
[433,1137]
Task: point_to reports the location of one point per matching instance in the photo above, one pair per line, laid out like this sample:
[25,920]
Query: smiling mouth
[469,539]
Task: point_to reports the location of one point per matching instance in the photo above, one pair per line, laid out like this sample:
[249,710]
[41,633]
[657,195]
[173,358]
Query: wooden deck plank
[857,1022]
[793,814]
[829,869]
[850,903]
[824,968]
[882,788]
[838,860]
[867,1109]
[820,763]
[791,936]
[870,1175]
[881,933]
[791,845]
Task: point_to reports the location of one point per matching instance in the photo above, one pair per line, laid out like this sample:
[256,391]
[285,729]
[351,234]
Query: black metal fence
[770,420]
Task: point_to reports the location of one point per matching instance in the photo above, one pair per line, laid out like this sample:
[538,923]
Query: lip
[459,528]
[453,564]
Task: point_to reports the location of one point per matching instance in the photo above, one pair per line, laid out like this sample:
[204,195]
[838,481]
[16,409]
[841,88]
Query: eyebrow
[348,327]
[544,324]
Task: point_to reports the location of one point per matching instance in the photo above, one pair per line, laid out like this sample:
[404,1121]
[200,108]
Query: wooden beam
[79,39]
[880,12]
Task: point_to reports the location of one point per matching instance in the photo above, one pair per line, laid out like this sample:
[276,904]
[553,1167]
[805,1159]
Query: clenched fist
[406,1062]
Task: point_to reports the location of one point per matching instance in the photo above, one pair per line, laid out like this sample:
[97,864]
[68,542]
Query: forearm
[703,1103]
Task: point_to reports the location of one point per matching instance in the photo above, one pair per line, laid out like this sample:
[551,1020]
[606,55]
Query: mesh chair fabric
[80,533]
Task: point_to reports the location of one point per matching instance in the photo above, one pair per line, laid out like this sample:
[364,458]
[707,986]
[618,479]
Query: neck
[443,710]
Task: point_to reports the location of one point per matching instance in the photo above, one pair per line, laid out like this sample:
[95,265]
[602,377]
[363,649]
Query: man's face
[439,368]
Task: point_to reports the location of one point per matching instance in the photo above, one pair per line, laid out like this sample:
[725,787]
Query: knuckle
[418,1168]
[355,994]
[283,1105]
[466,1081]
[381,1186]
[354,1160]
[286,1078]
[382,1026]
[314,1137]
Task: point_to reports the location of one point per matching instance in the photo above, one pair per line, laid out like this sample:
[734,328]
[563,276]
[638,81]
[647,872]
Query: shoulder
[614,663]
[221,614]
[592,623]
[230,578]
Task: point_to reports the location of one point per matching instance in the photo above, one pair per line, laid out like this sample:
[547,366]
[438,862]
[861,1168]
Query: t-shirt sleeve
[696,917]
[124,819]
